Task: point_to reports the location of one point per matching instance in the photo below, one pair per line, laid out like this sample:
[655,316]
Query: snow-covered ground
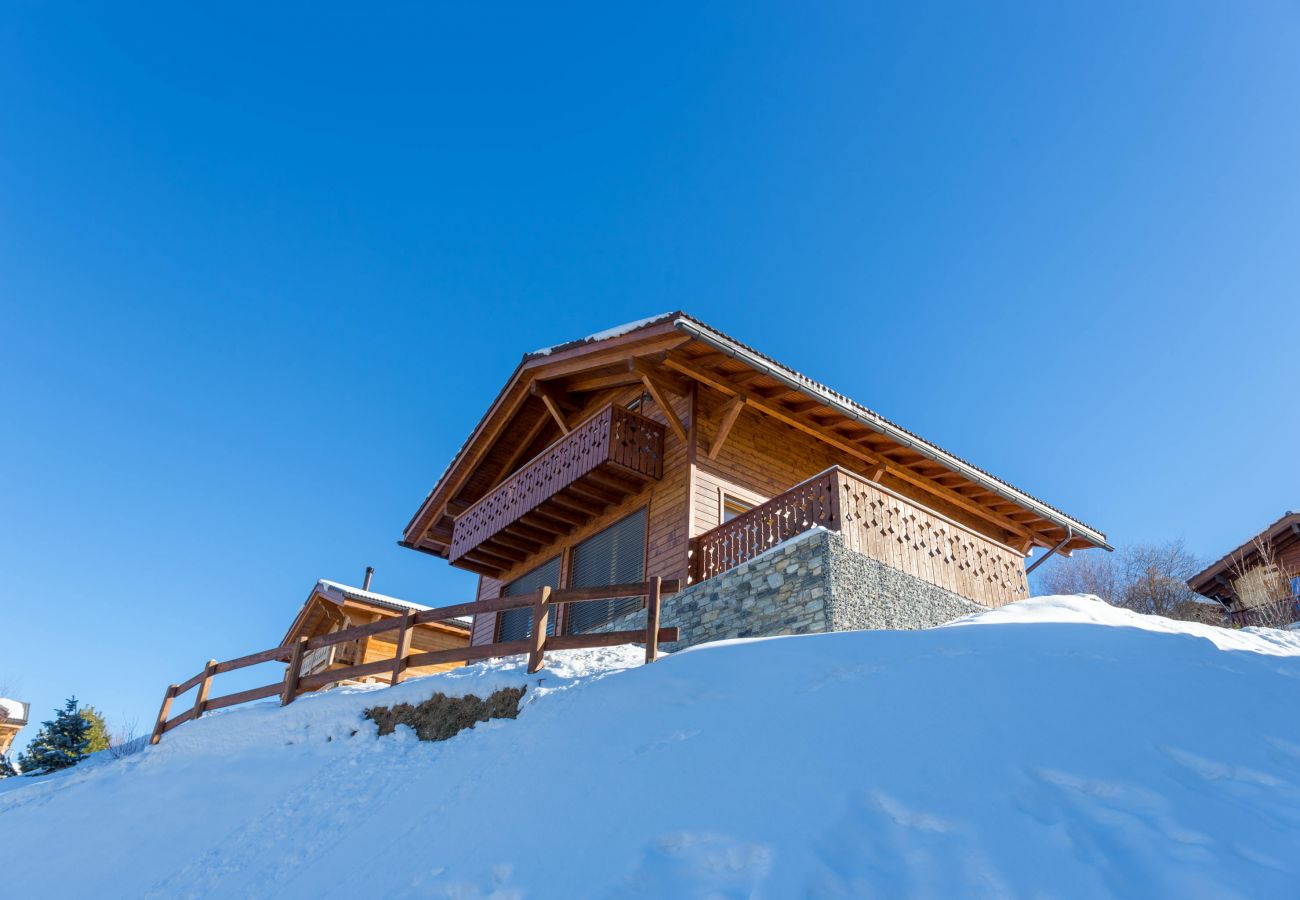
[1054,748]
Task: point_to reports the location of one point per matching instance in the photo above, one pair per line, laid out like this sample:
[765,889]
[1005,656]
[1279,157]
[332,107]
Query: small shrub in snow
[441,717]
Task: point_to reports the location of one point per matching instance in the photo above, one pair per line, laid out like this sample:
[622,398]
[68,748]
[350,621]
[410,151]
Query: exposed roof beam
[653,384]
[730,413]
[555,404]
[720,383]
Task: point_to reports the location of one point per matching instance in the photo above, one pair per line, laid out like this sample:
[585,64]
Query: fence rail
[295,683]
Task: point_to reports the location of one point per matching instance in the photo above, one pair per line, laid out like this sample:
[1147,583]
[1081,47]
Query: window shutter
[613,556]
[517,624]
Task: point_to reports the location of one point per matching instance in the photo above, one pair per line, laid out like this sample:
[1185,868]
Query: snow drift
[1057,747]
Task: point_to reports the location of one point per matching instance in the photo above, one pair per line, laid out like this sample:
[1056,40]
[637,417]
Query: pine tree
[97,737]
[7,769]
[61,742]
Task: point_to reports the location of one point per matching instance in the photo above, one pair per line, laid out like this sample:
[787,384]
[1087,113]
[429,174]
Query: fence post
[201,697]
[293,672]
[158,727]
[536,657]
[652,619]
[403,647]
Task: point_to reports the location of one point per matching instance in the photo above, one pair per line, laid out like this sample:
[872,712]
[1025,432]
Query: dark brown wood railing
[879,523]
[296,683]
[612,435]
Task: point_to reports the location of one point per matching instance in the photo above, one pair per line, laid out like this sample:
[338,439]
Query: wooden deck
[597,465]
[878,523]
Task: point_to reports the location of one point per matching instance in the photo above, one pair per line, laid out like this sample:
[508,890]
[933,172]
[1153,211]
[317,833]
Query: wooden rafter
[555,404]
[730,413]
[653,384]
[723,385]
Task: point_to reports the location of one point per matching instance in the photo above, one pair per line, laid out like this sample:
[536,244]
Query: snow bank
[1057,747]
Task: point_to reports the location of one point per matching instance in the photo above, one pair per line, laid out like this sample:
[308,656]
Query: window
[613,556]
[733,506]
[517,624]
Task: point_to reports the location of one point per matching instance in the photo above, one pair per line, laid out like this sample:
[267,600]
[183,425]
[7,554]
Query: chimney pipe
[370,573]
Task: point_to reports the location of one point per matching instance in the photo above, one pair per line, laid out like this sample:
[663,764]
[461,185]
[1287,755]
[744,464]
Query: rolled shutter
[613,556]
[517,624]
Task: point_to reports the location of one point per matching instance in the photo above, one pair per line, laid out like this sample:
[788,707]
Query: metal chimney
[370,573]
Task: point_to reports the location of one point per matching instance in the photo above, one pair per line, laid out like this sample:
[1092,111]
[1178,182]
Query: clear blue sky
[262,269]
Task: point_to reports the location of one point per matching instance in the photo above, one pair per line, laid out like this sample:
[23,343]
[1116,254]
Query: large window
[613,556]
[517,624]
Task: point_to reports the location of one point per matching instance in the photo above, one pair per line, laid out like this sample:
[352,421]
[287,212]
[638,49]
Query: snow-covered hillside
[1058,747]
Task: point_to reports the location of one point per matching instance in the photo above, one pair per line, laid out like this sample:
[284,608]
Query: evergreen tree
[97,737]
[7,769]
[61,742]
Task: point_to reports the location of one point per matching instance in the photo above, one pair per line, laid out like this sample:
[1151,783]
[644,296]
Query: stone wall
[810,584]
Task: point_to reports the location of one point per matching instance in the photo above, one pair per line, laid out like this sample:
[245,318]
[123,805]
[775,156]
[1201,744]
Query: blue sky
[262,269]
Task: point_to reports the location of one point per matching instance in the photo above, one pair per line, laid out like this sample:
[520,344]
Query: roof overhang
[1215,580]
[674,343]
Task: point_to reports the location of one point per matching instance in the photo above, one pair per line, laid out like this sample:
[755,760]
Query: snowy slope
[1057,747]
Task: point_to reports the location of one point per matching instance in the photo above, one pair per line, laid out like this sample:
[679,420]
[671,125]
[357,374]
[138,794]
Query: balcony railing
[604,459]
[878,523]
[1277,614]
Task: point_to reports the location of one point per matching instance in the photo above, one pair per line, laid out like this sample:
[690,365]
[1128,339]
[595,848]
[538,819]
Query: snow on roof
[13,710]
[396,603]
[616,331]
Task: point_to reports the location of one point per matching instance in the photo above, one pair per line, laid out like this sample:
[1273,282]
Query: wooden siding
[762,458]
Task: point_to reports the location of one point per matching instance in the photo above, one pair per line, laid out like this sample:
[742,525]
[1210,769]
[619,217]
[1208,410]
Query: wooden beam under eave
[730,413]
[551,398]
[720,383]
[660,397]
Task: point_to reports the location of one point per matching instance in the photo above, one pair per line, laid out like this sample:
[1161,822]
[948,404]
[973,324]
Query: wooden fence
[295,683]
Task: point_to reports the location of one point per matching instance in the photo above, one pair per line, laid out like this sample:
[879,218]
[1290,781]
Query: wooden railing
[878,523]
[295,682]
[613,435]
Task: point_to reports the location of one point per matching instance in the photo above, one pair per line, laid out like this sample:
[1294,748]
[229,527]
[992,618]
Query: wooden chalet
[13,718]
[332,607]
[666,448]
[1273,553]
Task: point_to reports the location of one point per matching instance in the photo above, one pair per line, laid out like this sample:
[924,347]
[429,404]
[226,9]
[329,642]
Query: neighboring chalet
[13,718]
[666,448]
[1259,582]
[333,607]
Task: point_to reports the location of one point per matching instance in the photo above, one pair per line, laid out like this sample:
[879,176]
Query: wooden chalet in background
[1276,547]
[332,607]
[666,448]
[13,718]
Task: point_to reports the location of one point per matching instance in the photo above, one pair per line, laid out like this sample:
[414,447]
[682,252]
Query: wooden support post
[403,647]
[653,600]
[168,696]
[293,672]
[205,686]
[536,655]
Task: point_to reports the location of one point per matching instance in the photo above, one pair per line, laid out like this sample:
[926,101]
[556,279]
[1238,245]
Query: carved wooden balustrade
[615,445]
[879,523]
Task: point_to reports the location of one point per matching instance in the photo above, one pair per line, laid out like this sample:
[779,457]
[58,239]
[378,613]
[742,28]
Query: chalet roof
[648,335]
[1286,529]
[13,712]
[337,591]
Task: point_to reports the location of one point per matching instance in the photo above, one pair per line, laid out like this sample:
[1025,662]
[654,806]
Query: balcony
[598,464]
[879,523]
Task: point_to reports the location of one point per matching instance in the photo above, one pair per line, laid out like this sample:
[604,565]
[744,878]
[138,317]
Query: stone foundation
[807,585]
